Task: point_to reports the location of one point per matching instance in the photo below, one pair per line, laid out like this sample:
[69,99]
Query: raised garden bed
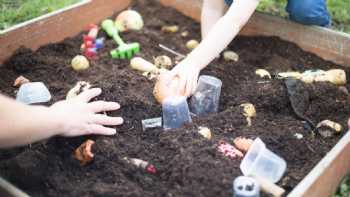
[188,164]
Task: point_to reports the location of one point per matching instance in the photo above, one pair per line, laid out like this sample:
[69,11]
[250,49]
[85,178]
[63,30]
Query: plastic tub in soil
[322,180]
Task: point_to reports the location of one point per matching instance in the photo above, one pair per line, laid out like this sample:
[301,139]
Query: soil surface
[187,164]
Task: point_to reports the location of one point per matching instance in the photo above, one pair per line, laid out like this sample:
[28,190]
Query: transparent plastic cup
[261,162]
[246,187]
[34,92]
[175,112]
[206,98]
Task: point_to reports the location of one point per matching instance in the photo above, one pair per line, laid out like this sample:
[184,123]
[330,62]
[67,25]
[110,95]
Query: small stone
[298,136]
[230,56]
[184,34]
[344,90]
[192,44]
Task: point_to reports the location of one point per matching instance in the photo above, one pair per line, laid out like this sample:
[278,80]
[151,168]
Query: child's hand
[79,117]
[188,77]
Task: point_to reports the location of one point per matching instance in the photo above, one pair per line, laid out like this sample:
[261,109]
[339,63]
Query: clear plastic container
[34,92]
[246,187]
[261,162]
[206,98]
[175,112]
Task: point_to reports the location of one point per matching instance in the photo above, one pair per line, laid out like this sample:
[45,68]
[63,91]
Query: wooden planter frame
[331,45]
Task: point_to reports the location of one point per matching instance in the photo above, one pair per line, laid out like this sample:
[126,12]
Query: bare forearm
[222,33]
[212,11]
[21,124]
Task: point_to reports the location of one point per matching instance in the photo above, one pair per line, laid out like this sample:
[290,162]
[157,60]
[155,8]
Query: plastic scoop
[175,112]
[246,187]
[205,100]
[124,50]
[261,162]
[35,92]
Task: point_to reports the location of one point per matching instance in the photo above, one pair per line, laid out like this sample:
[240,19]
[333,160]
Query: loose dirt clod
[83,153]
[20,80]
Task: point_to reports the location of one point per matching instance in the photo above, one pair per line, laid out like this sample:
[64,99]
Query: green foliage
[344,188]
[339,10]
[16,11]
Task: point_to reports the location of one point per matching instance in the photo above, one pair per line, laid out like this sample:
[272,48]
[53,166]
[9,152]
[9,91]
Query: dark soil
[188,164]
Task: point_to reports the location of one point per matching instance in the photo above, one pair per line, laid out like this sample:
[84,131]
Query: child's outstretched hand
[188,77]
[79,116]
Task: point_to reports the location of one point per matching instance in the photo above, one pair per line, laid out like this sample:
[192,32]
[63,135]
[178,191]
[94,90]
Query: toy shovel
[124,50]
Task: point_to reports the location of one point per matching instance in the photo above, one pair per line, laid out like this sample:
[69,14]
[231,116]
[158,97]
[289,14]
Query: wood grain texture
[55,27]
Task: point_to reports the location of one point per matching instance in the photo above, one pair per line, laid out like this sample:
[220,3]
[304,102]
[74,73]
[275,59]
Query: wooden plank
[326,43]
[325,177]
[57,26]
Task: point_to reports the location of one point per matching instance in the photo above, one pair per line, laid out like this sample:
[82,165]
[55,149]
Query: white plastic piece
[175,112]
[246,187]
[206,98]
[34,92]
[261,162]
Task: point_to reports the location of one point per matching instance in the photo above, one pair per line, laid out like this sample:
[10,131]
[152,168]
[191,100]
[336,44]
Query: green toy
[124,50]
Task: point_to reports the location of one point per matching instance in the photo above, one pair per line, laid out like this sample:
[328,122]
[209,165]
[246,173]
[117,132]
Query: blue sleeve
[228,2]
[309,12]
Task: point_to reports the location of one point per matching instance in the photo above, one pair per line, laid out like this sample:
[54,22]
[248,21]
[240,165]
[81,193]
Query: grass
[16,11]
[339,10]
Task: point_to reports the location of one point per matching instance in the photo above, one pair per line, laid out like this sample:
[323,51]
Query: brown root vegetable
[20,81]
[83,153]
[129,20]
[243,144]
[166,85]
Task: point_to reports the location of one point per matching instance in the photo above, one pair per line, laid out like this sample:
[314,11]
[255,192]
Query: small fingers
[106,120]
[101,106]
[87,95]
[101,130]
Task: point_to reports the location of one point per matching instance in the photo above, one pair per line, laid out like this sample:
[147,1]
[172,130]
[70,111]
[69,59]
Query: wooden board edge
[329,44]
[57,26]
[324,178]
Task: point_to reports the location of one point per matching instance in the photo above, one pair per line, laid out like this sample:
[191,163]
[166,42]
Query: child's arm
[212,11]
[22,124]
[216,41]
